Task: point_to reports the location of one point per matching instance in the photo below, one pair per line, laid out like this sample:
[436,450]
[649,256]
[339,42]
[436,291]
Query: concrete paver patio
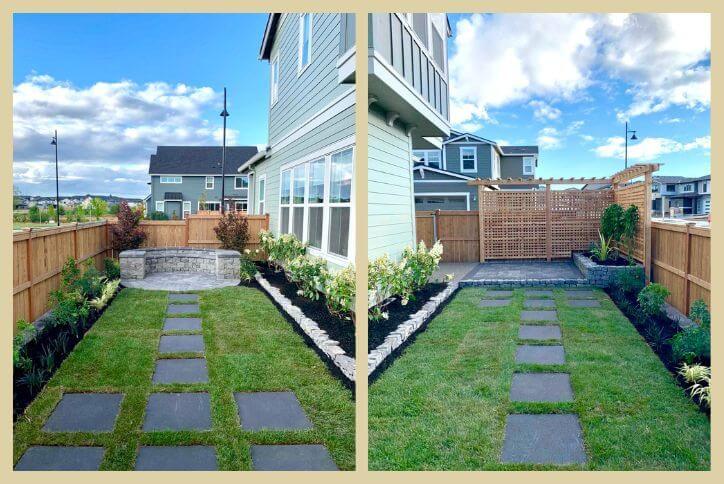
[179,281]
[58,458]
[291,458]
[85,412]
[543,439]
[179,458]
[525,270]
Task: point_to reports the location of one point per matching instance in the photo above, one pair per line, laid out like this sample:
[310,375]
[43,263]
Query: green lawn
[442,405]
[249,347]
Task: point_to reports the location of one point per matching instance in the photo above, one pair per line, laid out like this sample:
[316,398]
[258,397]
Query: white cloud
[661,59]
[106,131]
[549,139]
[544,111]
[586,137]
[649,148]
[670,121]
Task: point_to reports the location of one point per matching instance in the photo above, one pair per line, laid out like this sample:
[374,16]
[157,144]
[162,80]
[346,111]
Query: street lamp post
[224,114]
[54,142]
[633,138]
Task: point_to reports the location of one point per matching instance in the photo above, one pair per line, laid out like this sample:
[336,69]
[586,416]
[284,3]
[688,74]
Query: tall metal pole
[224,114]
[57,195]
[625,156]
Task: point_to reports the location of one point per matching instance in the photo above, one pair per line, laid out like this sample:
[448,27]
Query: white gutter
[255,159]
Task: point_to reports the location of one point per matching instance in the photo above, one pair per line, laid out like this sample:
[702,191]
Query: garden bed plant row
[40,348]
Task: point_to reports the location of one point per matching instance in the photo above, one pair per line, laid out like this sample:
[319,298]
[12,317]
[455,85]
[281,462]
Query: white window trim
[683,188]
[206,182]
[242,187]
[532,165]
[301,68]
[260,200]
[274,67]
[242,200]
[163,206]
[198,204]
[184,204]
[475,159]
[446,194]
[326,153]
[180,179]
[426,154]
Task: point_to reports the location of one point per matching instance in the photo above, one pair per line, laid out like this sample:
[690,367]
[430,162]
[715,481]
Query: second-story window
[305,40]
[241,182]
[429,157]
[209,182]
[528,165]
[438,49]
[170,179]
[274,78]
[468,159]
[687,188]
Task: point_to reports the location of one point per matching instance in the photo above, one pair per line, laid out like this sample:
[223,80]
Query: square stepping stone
[85,412]
[541,387]
[543,439]
[494,303]
[538,316]
[181,343]
[580,294]
[291,458]
[584,303]
[547,332]
[498,293]
[182,324]
[181,458]
[271,411]
[178,411]
[538,293]
[183,297]
[540,355]
[181,370]
[182,309]
[539,303]
[56,458]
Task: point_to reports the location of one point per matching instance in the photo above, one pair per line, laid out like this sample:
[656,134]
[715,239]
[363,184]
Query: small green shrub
[651,299]
[629,228]
[25,332]
[699,313]
[699,378]
[111,268]
[280,250]
[629,283]
[340,293]
[233,231]
[419,264]
[309,274]
[108,291]
[693,344]
[247,269]
[156,215]
[612,223]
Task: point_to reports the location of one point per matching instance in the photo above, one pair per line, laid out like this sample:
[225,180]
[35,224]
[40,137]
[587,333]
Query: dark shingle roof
[679,179]
[198,160]
[519,150]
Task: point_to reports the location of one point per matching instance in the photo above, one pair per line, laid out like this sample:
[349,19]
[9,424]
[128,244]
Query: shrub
[699,313]
[629,228]
[693,344]
[629,283]
[280,250]
[233,231]
[25,332]
[603,250]
[247,269]
[340,292]
[126,233]
[699,378]
[113,209]
[612,223]
[651,299]
[111,268]
[156,215]
[309,274]
[109,290]
[419,264]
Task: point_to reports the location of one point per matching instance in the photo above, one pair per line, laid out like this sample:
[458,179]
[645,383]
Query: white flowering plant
[340,293]
[309,273]
[281,250]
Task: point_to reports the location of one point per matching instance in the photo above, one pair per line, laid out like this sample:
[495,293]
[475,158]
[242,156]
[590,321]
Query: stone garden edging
[600,275]
[328,346]
[397,337]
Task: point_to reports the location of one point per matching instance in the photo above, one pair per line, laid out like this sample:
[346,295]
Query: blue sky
[116,85]
[568,83]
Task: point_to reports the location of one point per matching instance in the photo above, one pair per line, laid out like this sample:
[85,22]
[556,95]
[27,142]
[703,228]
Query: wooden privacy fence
[39,254]
[457,230]
[681,261]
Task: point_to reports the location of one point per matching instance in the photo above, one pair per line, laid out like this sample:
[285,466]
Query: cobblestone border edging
[329,347]
[407,329]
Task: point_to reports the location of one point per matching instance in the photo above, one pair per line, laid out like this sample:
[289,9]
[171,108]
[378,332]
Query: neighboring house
[181,176]
[689,196]
[303,179]
[408,110]
[441,175]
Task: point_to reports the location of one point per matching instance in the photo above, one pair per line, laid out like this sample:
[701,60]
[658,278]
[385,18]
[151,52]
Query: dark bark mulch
[398,314]
[338,329]
[612,261]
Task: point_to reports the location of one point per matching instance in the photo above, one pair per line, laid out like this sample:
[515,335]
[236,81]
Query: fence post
[647,225]
[434,225]
[481,222]
[75,242]
[549,234]
[186,228]
[29,268]
[687,267]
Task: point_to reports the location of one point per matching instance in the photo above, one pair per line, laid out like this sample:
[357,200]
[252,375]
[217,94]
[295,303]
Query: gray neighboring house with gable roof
[691,195]
[180,175]
[441,175]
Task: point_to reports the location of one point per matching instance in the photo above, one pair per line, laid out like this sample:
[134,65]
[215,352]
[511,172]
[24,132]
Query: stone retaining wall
[136,264]
[599,275]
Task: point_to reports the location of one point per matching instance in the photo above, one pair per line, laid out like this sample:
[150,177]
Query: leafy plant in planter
[340,293]
[603,251]
[651,299]
[126,233]
[693,344]
[233,231]
[309,274]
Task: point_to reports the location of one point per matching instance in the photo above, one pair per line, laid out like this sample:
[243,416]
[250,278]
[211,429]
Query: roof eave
[272,22]
[260,155]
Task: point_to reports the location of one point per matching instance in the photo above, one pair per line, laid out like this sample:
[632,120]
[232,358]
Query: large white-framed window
[528,165]
[186,210]
[431,158]
[159,206]
[305,41]
[209,182]
[171,179]
[468,159]
[210,205]
[315,201]
[241,205]
[261,195]
[274,75]
[241,182]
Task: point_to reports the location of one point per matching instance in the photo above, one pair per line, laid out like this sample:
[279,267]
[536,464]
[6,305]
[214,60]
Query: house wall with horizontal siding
[390,188]
[191,187]
[452,159]
[512,167]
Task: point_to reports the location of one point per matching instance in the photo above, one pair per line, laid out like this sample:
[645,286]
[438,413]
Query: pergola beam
[538,181]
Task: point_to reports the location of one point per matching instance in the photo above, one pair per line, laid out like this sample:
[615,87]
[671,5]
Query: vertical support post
[481,222]
[549,231]
[186,230]
[29,268]
[434,225]
[647,225]
[75,242]
[687,267]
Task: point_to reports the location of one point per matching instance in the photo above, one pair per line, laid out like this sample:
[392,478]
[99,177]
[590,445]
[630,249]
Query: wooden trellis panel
[635,194]
[512,224]
[575,219]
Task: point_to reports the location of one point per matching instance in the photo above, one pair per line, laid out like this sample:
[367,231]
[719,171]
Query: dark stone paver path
[85,412]
[494,303]
[580,294]
[178,411]
[188,298]
[291,458]
[181,343]
[181,370]
[181,458]
[271,411]
[182,324]
[57,458]
[498,293]
[544,438]
[183,309]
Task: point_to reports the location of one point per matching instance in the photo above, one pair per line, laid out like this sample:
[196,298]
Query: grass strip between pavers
[442,404]
[249,347]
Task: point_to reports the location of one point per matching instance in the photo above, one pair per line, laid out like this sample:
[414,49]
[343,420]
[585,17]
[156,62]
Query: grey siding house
[441,175]
[183,176]
[408,109]
[303,179]
[687,196]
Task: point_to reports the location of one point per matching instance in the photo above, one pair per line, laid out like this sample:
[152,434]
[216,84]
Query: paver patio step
[541,387]
[493,293]
[584,303]
[85,412]
[182,324]
[539,303]
[291,458]
[179,458]
[61,458]
[540,315]
[540,355]
[181,370]
[538,293]
[580,293]
[539,332]
[182,309]
[174,297]
[494,303]
[543,439]
[271,411]
[177,411]
[181,343]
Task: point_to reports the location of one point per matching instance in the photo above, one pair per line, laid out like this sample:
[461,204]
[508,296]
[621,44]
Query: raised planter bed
[602,275]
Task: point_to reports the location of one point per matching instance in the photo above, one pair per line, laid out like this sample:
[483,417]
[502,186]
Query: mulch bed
[615,261]
[338,329]
[46,351]
[398,314]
